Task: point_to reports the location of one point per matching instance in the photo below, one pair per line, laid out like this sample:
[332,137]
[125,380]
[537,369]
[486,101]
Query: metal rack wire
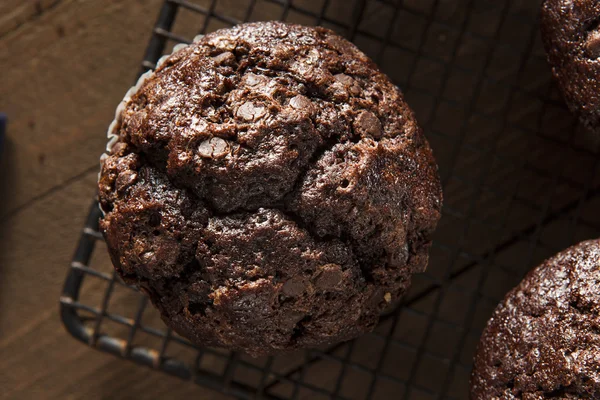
[520,179]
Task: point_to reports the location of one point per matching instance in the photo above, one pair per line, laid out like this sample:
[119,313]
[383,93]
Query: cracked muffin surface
[269,189]
[571,36]
[543,340]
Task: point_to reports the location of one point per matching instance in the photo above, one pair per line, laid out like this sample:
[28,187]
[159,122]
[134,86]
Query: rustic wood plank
[62,78]
[16,13]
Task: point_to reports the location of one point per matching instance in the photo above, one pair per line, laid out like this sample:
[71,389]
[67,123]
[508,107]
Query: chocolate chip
[283,52]
[339,92]
[196,125]
[329,276]
[213,148]
[348,82]
[344,79]
[224,58]
[255,80]
[592,45]
[148,257]
[294,287]
[300,102]
[250,111]
[367,124]
[205,149]
[125,179]
[223,44]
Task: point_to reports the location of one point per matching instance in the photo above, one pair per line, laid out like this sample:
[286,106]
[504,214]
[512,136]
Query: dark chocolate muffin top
[571,34]
[269,189]
[543,340]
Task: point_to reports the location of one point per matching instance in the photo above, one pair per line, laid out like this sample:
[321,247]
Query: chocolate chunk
[592,45]
[224,58]
[148,257]
[367,124]
[250,111]
[125,179]
[252,79]
[294,286]
[300,102]
[329,276]
[196,125]
[213,148]
[222,43]
[349,83]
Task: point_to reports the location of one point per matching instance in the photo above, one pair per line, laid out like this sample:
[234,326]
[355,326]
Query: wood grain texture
[63,74]
[16,13]
[65,66]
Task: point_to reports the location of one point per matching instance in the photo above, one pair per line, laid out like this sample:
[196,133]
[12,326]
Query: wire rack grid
[520,179]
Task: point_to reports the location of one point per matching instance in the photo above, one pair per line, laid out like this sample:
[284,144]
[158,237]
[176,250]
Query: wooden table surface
[64,65]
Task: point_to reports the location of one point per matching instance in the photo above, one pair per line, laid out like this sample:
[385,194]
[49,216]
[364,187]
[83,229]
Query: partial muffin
[269,189]
[571,35]
[543,340]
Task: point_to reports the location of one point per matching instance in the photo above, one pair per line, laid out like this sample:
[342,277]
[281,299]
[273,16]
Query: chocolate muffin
[543,340]
[269,189]
[571,35]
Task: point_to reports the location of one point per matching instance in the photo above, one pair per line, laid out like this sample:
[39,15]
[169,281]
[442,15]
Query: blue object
[2,129]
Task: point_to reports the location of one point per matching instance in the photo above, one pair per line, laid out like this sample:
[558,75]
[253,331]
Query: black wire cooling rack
[520,179]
